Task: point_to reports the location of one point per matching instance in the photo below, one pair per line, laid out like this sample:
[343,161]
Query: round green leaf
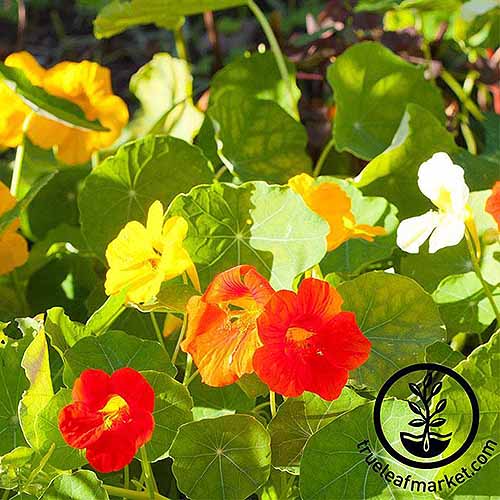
[299,418]
[398,317]
[47,430]
[172,409]
[225,458]
[252,224]
[333,466]
[257,75]
[372,87]
[114,350]
[123,187]
[258,139]
[81,485]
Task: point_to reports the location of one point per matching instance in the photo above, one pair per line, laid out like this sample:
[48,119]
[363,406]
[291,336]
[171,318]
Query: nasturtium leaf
[224,458]
[172,409]
[114,350]
[123,187]
[81,485]
[268,227]
[13,384]
[216,401]
[372,87]
[63,456]
[482,371]
[356,254]
[56,203]
[257,75]
[36,366]
[164,87]
[430,269]
[334,467]
[45,104]
[483,486]
[299,418]
[398,317]
[443,354]
[118,16]
[258,139]
[63,332]
[462,303]
[394,172]
[172,297]
[8,217]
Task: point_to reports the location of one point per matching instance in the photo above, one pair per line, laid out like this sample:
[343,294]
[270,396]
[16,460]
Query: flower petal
[492,203]
[317,299]
[79,426]
[133,388]
[93,388]
[277,317]
[154,224]
[449,232]
[413,232]
[112,452]
[242,286]
[222,346]
[443,183]
[29,65]
[343,344]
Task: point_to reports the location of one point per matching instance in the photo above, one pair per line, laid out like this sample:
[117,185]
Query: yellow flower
[13,247]
[142,258]
[86,84]
[332,203]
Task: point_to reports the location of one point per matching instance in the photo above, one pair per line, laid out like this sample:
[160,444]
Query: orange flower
[86,84]
[13,247]
[221,333]
[308,343]
[493,203]
[332,203]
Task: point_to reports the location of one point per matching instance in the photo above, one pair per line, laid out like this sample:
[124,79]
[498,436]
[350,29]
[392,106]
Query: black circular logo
[423,443]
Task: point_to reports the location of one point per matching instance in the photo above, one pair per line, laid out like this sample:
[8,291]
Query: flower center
[115,409]
[299,336]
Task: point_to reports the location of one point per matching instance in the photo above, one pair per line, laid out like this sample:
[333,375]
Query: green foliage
[164,87]
[251,224]
[257,139]
[372,87]
[219,458]
[257,75]
[81,485]
[123,187]
[397,316]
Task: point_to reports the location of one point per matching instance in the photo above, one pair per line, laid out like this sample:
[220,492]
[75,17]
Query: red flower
[493,203]
[111,417]
[222,331]
[308,343]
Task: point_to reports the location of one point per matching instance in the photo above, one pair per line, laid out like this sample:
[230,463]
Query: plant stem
[192,377]
[41,465]
[450,80]
[272,403]
[148,474]
[126,478]
[323,157]
[179,340]
[18,168]
[187,373]
[275,47]
[479,274]
[157,330]
[180,43]
[116,491]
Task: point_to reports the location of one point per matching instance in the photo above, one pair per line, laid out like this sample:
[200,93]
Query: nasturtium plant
[228,229]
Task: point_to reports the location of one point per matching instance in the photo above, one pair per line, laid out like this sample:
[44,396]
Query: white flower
[443,183]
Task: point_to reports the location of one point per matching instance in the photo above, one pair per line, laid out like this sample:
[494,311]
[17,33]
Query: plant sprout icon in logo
[429,443]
